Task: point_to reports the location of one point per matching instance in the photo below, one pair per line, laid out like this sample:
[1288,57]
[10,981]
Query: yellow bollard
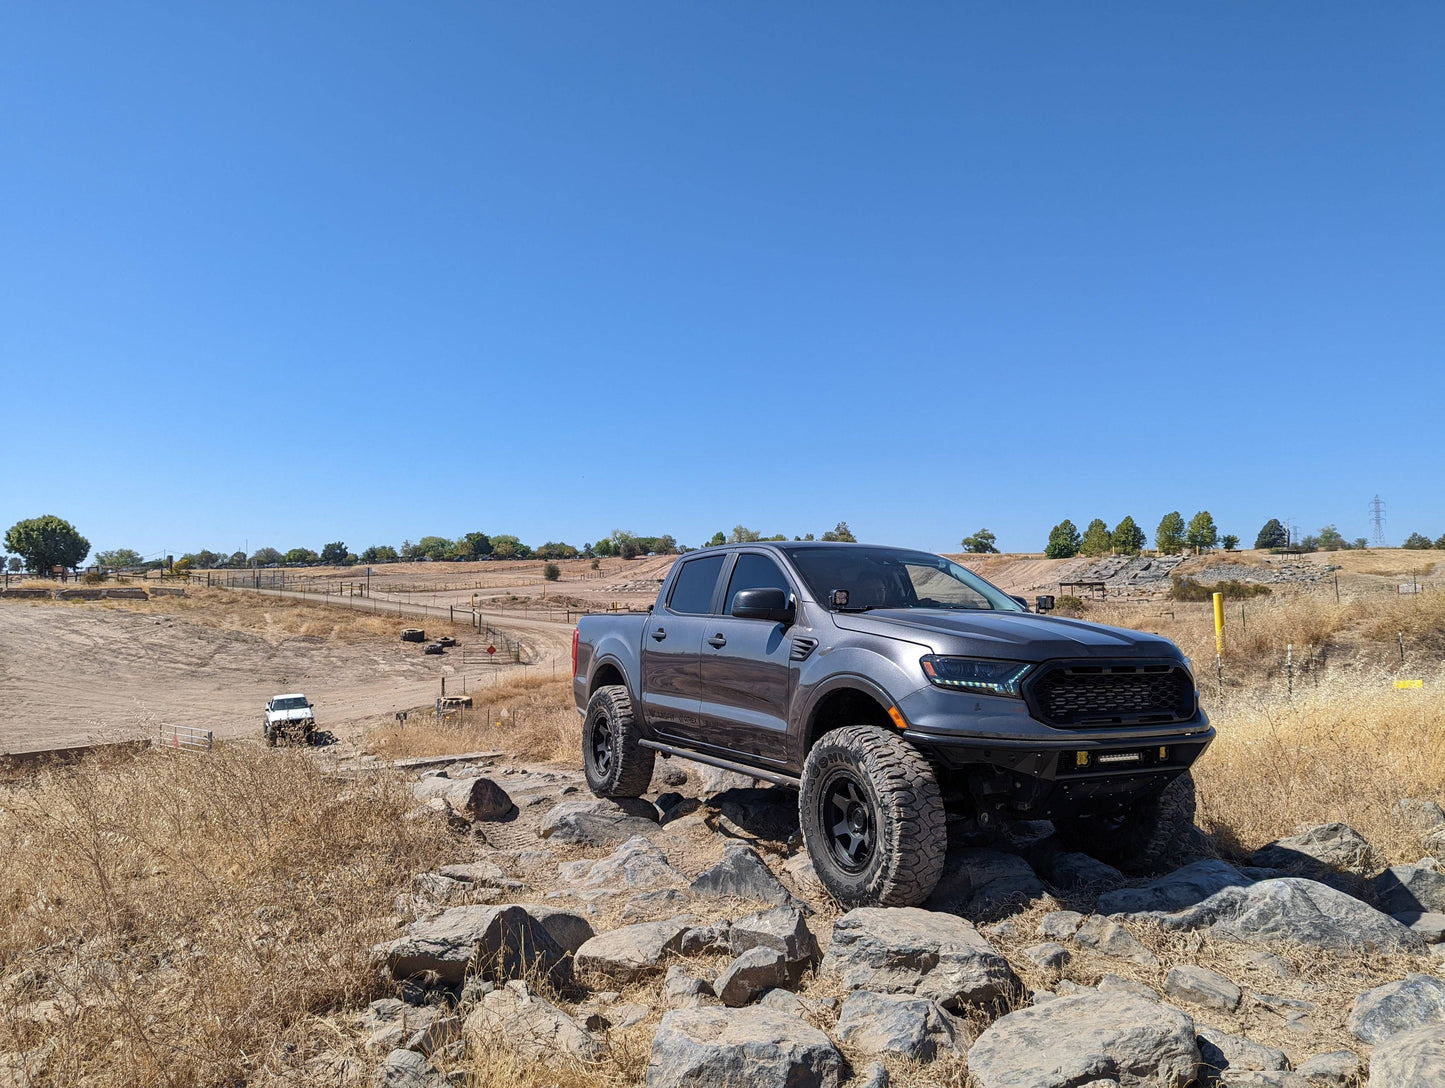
[1219,624]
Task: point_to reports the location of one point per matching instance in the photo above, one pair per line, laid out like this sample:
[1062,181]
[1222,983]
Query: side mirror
[762,604]
[1045,602]
[1022,602]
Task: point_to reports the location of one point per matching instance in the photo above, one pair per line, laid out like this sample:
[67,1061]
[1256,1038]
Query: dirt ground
[74,674]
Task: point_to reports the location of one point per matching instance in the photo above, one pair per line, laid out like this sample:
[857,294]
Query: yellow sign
[1409,683]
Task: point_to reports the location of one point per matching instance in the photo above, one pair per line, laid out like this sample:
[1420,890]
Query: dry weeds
[530,715]
[177,920]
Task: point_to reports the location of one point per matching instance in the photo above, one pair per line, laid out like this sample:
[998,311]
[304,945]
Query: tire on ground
[1152,834]
[613,761]
[895,783]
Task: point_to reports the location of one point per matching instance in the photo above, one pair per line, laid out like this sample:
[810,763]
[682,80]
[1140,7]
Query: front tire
[872,818]
[270,733]
[613,761]
[1149,836]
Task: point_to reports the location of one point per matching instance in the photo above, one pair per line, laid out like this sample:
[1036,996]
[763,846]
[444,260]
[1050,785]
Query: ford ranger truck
[891,688]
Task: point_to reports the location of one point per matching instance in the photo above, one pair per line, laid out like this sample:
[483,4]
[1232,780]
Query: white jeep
[288,714]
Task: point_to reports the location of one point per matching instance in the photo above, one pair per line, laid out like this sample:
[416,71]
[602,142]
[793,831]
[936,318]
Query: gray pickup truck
[893,688]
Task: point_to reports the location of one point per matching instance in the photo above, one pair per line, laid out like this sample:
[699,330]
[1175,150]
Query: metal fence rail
[182,738]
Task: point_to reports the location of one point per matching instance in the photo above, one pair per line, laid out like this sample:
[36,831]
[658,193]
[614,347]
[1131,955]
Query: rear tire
[1151,835]
[613,761]
[872,818]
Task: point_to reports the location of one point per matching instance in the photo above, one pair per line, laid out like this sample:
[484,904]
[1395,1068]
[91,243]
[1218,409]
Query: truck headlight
[975,674]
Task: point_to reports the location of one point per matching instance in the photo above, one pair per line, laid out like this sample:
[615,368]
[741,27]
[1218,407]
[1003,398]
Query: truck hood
[288,715]
[1017,636]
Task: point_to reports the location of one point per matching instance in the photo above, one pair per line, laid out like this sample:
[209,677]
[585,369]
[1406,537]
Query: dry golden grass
[530,715]
[1347,750]
[180,920]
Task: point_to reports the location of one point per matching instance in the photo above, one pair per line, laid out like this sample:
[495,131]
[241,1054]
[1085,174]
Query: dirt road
[72,675]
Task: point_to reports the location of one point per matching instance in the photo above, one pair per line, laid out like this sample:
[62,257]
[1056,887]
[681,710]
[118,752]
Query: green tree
[1229,542]
[1063,541]
[47,542]
[472,546]
[840,532]
[551,571]
[1361,543]
[1169,537]
[1415,542]
[743,535]
[982,543]
[334,554]
[14,563]
[120,558]
[1097,540]
[605,548]
[507,546]
[1330,539]
[1272,535]
[1439,543]
[555,550]
[1128,537]
[300,557]
[717,538]
[1202,533]
[265,557]
[379,553]
[432,547]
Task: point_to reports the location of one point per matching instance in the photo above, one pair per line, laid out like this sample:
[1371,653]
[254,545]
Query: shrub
[1069,605]
[1186,589]
[92,578]
[551,572]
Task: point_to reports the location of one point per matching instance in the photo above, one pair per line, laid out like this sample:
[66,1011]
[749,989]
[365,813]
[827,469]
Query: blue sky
[289,273]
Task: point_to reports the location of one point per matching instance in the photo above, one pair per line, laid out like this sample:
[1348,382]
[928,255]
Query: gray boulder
[636,864]
[1112,939]
[484,874]
[476,798]
[1174,891]
[1219,1051]
[1428,926]
[1333,846]
[741,875]
[1074,1040]
[1201,986]
[598,821]
[531,1025]
[1402,889]
[1398,1006]
[654,906]
[983,883]
[717,780]
[633,952]
[911,1027]
[781,928]
[1337,1069]
[406,1069]
[756,1047]
[1049,955]
[1292,910]
[753,974]
[501,941]
[1412,1059]
[1073,871]
[909,950]
[681,990]
[1060,925]
[770,813]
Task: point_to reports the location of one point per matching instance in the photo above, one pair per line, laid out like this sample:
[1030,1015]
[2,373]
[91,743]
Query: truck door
[746,674]
[671,647]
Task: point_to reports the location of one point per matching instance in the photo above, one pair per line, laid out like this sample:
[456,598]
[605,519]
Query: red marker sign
[491,649]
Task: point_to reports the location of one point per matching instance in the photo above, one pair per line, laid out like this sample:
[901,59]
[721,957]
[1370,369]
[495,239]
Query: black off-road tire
[872,818]
[270,734]
[614,763]
[1151,835]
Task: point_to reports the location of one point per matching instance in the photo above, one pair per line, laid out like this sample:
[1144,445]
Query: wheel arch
[848,699]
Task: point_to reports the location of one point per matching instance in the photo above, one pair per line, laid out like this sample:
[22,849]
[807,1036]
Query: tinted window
[892,578]
[692,592]
[754,572]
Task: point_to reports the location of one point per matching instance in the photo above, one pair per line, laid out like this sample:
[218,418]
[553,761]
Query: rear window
[692,592]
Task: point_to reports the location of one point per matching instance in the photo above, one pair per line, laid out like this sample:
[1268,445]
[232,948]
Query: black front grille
[1135,694]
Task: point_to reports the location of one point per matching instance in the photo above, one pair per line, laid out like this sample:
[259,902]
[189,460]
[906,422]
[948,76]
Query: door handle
[659,634]
[717,641]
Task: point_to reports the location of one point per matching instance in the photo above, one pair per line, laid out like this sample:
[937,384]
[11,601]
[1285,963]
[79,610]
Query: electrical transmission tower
[1377,517]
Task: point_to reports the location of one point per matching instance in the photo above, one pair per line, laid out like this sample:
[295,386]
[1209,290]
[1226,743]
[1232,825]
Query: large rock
[681,990]
[534,1027]
[741,875]
[980,883]
[1112,939]
[1220,1051]
[598,821]
[1334,846]
[909,950]
[782,928]
[1398,1006]
[636,864]
[717,780]
[502,941]
[760,813]
[756,1047]
[1412,1059]
[1072,1040]
[477,798]
[1337,1069]
[1295,911]
[1175,891]
[1074,871]
[404,1069]
[911,1027]
[1201,986]
[633,952]
[753,974]
[1428,926]
[1402,889]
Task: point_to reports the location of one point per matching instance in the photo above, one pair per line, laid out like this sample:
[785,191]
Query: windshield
[295,702]
[890,578]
